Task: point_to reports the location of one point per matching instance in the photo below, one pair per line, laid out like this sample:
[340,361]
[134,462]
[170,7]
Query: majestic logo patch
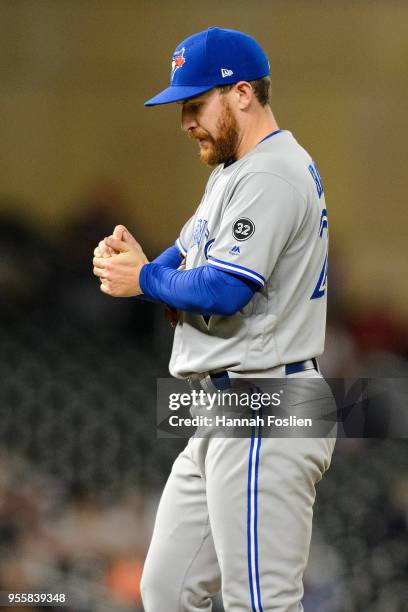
[235,250]
[177,62]
[243,229]
[225,72]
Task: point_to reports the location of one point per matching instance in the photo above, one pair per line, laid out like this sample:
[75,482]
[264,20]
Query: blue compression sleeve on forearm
[204,290]
[170,258]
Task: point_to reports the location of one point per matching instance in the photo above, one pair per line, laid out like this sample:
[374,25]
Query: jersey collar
[270,135]
[232,160]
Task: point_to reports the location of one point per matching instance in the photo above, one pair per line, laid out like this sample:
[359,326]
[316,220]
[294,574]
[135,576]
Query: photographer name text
[224,421]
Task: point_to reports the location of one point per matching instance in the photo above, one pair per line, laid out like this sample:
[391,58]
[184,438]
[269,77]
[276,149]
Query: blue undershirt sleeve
[204,290]
[170,258]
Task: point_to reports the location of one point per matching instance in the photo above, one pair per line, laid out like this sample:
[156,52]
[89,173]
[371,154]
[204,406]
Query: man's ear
[244,93]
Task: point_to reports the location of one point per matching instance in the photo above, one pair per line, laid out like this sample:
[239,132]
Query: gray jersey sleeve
[184,239]
[261,218]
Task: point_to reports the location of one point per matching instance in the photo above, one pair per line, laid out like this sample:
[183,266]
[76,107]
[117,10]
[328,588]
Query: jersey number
[321,286]
[320,289]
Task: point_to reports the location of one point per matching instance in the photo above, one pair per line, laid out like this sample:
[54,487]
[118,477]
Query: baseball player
[247,280]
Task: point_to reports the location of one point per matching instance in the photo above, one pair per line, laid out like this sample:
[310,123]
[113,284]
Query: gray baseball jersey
[262,218]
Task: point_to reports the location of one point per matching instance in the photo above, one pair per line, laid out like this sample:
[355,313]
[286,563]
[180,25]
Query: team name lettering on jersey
[200,231]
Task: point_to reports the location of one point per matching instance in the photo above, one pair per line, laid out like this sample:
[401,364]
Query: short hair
[261,87]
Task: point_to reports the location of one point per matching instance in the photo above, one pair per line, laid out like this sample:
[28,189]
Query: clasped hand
[117,262]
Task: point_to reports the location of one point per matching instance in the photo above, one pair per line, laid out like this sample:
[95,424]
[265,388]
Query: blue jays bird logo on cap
[178,61]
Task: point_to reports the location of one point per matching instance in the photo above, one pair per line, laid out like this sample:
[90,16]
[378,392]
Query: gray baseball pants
[236,515]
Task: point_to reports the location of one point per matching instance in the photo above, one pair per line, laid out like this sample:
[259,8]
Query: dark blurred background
[81,468]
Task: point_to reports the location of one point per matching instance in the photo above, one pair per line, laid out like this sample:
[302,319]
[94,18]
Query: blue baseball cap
[210,58]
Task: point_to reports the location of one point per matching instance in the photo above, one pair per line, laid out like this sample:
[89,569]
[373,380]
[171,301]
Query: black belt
[301,366]
[221,380]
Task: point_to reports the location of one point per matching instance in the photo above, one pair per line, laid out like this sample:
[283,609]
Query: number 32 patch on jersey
[243,229]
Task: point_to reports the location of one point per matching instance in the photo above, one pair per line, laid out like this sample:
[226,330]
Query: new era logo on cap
[226,73]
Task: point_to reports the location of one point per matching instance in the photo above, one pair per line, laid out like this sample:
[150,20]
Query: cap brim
[177,93]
